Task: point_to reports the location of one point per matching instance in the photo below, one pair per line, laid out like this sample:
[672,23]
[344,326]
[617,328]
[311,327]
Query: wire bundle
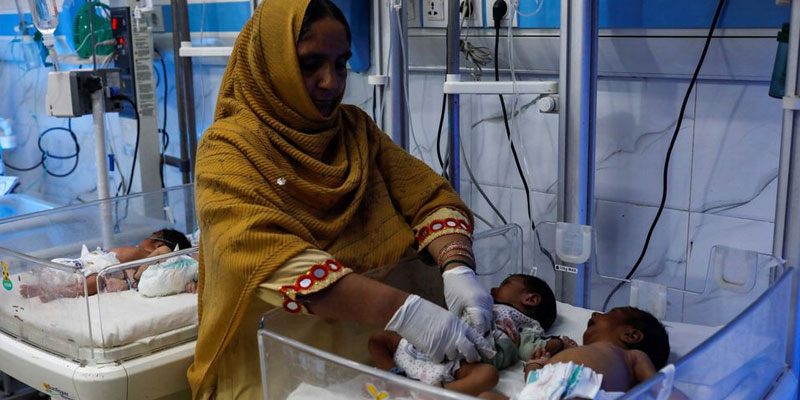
[45,154]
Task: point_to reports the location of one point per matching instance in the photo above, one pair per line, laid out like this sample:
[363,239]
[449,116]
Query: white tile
[716,306]
[621,229]
[636,119]
[736,150]
[535,138]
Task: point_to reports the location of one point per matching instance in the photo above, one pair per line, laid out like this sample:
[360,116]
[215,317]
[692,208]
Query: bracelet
[465,263]
[456,253]
[452,246]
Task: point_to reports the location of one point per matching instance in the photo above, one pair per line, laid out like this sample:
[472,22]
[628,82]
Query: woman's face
[323,53]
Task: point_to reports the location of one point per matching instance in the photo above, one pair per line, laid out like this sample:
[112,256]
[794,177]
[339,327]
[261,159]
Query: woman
[297,194]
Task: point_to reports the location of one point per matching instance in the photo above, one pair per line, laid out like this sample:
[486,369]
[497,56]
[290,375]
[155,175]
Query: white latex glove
[465,296]
[436,331]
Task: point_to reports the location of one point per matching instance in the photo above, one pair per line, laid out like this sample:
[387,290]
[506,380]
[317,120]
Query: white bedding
[126,317]
[571,322]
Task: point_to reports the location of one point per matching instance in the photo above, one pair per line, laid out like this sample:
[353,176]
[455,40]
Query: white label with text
[564,268]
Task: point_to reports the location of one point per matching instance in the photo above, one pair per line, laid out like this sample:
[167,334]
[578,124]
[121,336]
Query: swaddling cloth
[564,381]
[90,262]
[417,365]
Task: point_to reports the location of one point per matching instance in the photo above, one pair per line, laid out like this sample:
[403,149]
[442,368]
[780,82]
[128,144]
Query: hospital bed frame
[47,358]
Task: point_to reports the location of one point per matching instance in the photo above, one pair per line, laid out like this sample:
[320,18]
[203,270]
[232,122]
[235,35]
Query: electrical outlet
[489,6]
[434,14]
[472,12]
[412,14]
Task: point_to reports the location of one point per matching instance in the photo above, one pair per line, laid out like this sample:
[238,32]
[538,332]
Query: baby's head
[631,328]
[166,237]
[530,295]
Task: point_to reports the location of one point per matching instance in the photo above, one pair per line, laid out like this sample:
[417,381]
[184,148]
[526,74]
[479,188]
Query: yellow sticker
[377,395]
[6,280]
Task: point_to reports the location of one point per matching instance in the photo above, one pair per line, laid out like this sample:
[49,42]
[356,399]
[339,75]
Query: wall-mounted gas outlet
[489,7]
[471,13]
[434,14]
[412,13]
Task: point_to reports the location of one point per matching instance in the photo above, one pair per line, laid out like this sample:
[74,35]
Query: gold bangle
[456,253]
[452,246]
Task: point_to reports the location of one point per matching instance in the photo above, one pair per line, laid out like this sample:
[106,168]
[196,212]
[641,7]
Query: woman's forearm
[462,245]
[356,298]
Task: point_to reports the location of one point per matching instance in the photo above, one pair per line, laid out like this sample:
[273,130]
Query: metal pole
[786,242]
[98,109]
[179,6]
[577,117]
[399,72]
[377,56]
[453,100]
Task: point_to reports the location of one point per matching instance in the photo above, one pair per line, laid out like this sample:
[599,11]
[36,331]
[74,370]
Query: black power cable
[439,137]
[45,154]
[499,10]
[717,14]
[138,134]
[163,129]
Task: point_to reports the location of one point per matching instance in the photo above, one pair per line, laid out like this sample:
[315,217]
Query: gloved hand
[466,297]
[436,331]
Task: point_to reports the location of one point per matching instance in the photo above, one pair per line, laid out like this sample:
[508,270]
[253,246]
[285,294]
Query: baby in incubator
[92,262]
[524,306]
[621,348]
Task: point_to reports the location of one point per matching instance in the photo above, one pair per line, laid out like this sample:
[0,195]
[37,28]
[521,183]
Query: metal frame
[454,100]
[577,120]
[786,241]
[185,91]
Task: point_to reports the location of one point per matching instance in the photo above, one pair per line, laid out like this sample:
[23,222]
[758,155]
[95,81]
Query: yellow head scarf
[275,177]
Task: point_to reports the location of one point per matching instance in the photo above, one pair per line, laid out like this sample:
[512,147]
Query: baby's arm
[538,360]
[641,365]
[643,370]
[157,252]
[382,346]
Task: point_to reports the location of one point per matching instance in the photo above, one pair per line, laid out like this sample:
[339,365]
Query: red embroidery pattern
[316,273]
[439,224]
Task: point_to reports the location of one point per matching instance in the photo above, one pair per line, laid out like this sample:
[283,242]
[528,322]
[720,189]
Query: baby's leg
[474,379]
[382,346]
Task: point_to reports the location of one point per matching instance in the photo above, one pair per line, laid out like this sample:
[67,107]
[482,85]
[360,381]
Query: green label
[7,284]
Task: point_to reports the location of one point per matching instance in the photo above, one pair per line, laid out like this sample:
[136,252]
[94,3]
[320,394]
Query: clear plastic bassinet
[44,304]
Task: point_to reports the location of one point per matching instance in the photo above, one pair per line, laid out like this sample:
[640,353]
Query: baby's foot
[27,291]
[191,287]
[115,285]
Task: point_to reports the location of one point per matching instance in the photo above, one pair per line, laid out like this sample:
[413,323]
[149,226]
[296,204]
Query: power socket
[434,14]
[489,5]
[472,12]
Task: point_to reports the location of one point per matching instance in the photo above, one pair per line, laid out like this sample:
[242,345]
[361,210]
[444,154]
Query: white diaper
[168,277]
[417,365]
[562,381]
[90,262]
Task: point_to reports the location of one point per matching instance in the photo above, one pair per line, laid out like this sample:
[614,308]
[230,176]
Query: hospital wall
[722,177]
